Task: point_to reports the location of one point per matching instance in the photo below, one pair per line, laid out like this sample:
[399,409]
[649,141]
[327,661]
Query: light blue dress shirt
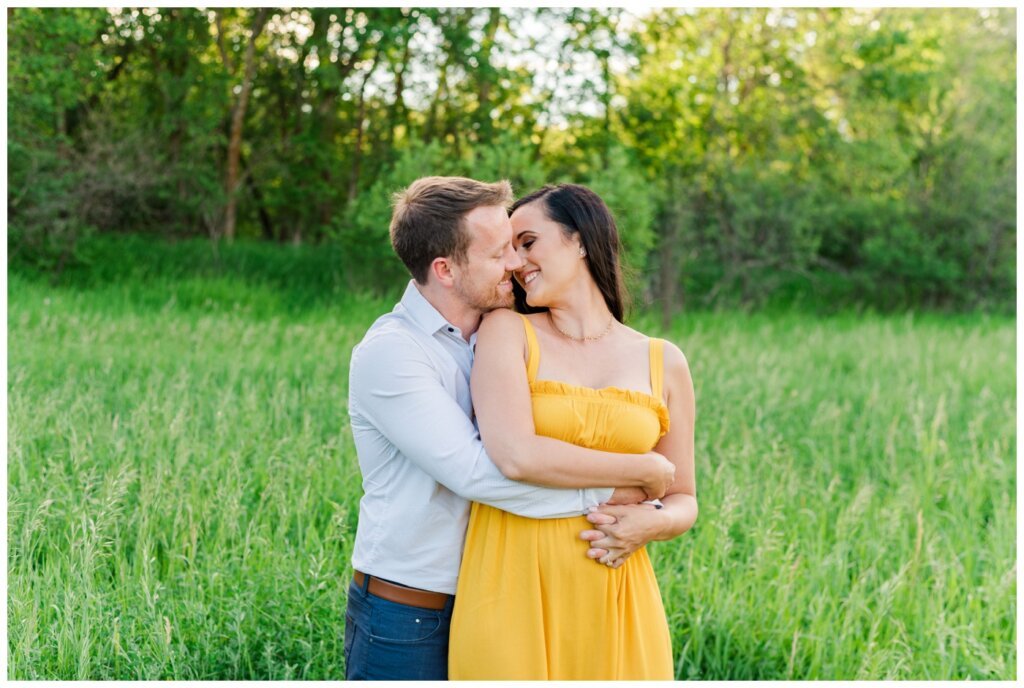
[420,453]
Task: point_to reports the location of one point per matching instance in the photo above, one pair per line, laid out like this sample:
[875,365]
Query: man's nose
[514,261]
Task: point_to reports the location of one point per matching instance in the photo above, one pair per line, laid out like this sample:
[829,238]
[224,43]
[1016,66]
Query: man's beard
[484,300]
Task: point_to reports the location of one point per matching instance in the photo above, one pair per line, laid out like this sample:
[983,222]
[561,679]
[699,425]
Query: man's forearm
[483,482]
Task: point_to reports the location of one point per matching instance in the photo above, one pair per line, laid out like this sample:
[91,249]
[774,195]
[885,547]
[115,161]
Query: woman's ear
[577,243]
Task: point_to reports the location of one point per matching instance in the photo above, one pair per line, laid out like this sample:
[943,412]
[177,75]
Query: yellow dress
[530,605]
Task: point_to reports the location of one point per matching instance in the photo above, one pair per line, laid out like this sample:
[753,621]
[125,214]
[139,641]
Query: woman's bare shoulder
[500,321]
[677,372]
[501,333]
[502,315]
[676,365]
[674,356]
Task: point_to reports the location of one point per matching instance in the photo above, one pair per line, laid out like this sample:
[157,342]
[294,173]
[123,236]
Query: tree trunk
[398,109]
[435,104]
[668,276]
[606,97]
[266,224]
[670,255]
[326,111]
[357,155]
[237,119]
[487,73]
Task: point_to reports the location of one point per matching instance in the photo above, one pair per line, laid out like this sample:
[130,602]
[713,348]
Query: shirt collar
[422,312]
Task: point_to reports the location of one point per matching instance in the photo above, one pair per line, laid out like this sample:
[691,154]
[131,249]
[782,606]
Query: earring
[583,251]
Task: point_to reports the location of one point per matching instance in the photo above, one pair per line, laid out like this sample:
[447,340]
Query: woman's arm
[621,530]
[501,400]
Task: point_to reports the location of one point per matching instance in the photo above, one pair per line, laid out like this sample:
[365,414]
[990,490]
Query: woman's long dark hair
[578,209]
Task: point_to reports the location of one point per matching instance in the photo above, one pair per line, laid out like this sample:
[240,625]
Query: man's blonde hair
[427,221]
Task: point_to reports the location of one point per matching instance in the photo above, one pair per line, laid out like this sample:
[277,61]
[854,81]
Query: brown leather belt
[414,597]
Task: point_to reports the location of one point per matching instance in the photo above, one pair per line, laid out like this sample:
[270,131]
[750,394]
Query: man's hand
[661,475]
[621,530]
[627,495]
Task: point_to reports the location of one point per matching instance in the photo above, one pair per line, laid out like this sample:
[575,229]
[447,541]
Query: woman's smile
[525,278]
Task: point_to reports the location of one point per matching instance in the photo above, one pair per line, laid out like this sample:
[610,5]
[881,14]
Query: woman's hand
[621,530]
[660,475]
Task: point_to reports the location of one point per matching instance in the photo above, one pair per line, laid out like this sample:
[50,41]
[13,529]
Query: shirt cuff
[596,495]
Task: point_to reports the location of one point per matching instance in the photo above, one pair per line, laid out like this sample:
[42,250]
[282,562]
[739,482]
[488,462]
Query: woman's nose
[515,261]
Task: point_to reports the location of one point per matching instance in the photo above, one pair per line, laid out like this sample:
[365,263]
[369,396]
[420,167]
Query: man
[419,453]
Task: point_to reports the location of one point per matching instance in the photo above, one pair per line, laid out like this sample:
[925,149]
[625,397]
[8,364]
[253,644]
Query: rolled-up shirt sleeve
[394,387]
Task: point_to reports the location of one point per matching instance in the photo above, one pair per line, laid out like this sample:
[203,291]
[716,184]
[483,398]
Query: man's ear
[442,271]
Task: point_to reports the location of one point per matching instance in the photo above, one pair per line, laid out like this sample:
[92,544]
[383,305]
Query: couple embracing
[519,446]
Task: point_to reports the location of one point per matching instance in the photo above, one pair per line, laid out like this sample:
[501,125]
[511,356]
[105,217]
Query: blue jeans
[386,640]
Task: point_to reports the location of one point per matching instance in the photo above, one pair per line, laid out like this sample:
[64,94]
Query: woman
[530,605]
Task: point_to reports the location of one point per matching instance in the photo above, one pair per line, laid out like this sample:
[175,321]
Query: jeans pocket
[395,623]
[350,634]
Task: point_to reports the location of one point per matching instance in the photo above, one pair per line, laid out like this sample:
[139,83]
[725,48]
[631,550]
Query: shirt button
[451,329]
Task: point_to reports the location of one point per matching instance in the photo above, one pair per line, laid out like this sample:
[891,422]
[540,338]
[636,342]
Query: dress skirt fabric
[530,605]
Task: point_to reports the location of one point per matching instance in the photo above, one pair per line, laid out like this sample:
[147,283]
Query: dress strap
[657,367]
[533,351]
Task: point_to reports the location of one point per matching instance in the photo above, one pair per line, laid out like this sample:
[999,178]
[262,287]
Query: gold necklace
[608,329]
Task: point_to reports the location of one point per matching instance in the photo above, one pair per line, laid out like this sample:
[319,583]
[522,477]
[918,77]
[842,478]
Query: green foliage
[363,229]
[51,67]
[249,276]
[43,223]
[830,139]
[52,59]
[878,145]
[633,201]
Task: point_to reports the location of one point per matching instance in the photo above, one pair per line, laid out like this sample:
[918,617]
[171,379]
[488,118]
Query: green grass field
[183,489]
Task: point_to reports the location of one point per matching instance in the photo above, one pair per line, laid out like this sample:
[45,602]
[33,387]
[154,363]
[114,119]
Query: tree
[238,113]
